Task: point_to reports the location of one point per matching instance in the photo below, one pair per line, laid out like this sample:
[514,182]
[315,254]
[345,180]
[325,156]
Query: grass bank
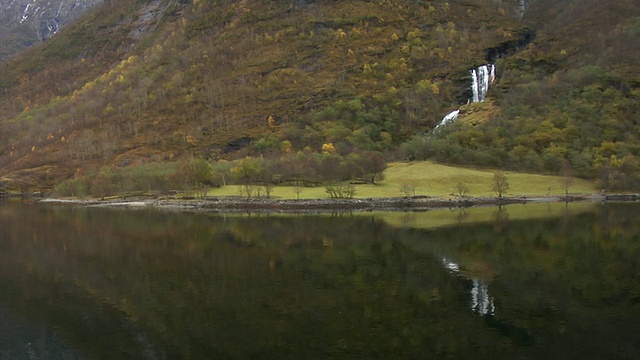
[431,179]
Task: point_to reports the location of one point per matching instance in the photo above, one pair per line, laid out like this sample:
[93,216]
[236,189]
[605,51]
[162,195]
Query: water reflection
[22,339]
[146,284]
[482,302]
[450,265]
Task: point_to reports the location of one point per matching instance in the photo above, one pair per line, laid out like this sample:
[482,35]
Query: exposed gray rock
[27,22]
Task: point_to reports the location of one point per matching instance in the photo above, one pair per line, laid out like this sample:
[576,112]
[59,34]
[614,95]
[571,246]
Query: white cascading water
[524,4]
[452,116]
[481,79]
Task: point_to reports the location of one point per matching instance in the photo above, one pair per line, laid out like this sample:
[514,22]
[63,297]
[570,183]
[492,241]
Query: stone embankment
[236,204]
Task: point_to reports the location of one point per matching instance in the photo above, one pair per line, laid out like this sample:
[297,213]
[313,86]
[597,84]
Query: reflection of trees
[568,282]
[197,285]
[462,214]
[408,218]
[193,285]
[500,217]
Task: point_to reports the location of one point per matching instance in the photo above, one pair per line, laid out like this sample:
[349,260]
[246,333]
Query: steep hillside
[27,22]
[155,79]
[151,81]
[568,103]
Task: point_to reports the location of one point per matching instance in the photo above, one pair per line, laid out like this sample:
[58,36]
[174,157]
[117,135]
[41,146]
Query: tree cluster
[256,176]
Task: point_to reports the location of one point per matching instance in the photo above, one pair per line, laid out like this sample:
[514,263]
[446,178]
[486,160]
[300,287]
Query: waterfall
[450,117]
[481,79]
[523,6]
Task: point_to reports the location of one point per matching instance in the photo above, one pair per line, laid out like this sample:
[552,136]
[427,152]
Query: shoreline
[235,204]
[230,204]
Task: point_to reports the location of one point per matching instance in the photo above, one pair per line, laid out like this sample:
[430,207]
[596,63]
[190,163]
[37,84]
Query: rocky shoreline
[236,204]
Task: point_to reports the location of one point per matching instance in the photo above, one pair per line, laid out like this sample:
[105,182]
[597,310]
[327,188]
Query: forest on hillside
[179,82]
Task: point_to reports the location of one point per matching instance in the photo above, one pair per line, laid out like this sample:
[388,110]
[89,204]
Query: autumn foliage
[138,83]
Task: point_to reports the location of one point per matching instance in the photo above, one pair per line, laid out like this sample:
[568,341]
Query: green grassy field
[433,179]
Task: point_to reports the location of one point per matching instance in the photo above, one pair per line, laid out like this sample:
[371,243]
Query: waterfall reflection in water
[481,301]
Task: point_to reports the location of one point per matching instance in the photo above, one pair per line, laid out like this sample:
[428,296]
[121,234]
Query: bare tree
[462,189]
[567,178]
[268,188]
[500,183]
[408,189]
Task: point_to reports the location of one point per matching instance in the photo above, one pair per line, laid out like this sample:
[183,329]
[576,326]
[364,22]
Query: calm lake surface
[536,281]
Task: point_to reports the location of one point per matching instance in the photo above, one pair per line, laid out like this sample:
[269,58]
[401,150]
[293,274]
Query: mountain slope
[568,103]
[27,22]
[145,81]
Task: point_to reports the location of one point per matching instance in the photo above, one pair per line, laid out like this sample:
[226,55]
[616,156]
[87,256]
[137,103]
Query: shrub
[340,191]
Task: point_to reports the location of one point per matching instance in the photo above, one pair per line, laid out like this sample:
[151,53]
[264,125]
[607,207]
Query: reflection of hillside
[54,320]
[196,285]
[560,276]
[19,336]
[308,286]
[469,216]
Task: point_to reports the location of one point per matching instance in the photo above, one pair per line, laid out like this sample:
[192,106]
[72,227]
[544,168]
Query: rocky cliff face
[26,22]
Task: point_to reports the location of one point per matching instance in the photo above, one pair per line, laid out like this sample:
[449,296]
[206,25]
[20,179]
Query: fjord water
[527,281]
